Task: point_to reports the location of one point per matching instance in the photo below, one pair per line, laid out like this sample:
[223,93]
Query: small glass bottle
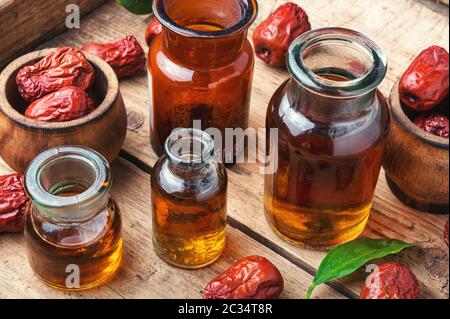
[73,226]
[201,67]
[332,125]
[189,201]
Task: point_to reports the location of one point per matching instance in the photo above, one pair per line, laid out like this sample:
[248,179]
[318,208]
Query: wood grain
[403,28]
[143,274]
[27,22]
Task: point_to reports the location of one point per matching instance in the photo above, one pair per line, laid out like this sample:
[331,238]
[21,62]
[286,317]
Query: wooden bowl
[22,139]
[416,162]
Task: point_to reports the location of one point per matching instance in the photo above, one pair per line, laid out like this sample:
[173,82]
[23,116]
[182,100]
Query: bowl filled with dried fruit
[417,157]
[57,97]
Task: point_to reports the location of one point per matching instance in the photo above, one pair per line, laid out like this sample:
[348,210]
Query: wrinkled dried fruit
[435,123]
[446,233]
[61,68]
[273,37]
[153,29]
[125,55]
[67,104]
[391,281]
[13,202]
[253,277]
[425,83]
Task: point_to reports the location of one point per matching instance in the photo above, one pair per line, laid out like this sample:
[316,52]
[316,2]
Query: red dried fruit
[253,277]
[391,281]
[13,202]
[435,123]
[61,68]
[153,29]
[67,104]
[273,36]
[446,233]
[125,55]
[425,83]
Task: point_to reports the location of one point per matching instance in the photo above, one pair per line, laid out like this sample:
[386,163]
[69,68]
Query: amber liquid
[77,257]
[321,194]
[208,81]
[189,230]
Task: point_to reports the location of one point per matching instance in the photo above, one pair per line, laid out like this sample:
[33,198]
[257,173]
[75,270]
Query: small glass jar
[189,201]
[332,125]
[73,226]
[201,67]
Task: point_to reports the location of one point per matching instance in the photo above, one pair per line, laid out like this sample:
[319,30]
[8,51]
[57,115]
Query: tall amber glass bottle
[200,66]
[332,127]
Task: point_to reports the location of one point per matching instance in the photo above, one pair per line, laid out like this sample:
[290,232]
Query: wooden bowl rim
[111,94]
[406,123]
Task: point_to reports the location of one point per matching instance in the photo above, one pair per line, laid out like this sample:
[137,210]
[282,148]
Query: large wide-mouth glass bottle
[73,226]
[201,67]
[332,128]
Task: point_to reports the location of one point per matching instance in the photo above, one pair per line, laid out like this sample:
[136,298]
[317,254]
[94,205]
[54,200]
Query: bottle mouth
[68,183]
[189,146]
[224,18]
[337,62]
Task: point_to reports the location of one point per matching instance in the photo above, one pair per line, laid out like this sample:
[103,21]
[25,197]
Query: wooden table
[402,27]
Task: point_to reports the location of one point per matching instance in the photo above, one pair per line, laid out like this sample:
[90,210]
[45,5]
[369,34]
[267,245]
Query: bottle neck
[328,109]
[206,33]
[203,52]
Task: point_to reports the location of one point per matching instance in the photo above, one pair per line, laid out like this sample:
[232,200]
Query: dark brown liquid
[197,79]
[58,253]
[321,194]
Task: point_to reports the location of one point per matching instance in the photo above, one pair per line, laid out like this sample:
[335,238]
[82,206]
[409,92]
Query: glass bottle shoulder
[162,65]
[341,138]
[75,235]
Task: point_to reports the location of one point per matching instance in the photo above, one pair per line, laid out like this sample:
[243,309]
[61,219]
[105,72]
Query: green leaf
[347,258]
[137,6]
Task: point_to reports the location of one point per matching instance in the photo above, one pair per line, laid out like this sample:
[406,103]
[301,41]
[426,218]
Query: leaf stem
[310,291]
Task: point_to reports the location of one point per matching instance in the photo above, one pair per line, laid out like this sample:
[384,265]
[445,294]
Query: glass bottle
[73,226]
[332,128]
[189,201]
[201,67]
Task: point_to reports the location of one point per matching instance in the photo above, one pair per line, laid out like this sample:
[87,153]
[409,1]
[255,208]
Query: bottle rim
[197,144]
[46,202]
[249,9]
[361,85]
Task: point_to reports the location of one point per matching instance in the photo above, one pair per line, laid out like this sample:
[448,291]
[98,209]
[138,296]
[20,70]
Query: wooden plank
[402,35]
[143,274]
[24,22]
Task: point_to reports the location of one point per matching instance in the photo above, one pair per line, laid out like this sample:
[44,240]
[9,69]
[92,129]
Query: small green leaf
[347,258]
[139,7]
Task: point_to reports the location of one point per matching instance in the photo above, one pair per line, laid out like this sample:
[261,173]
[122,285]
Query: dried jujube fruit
[253,277]
[124,55]
[66,104]
[61,68]
[434,123]
[391,281]
[13,202]
[153,29]
[425,83]
[273,36]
